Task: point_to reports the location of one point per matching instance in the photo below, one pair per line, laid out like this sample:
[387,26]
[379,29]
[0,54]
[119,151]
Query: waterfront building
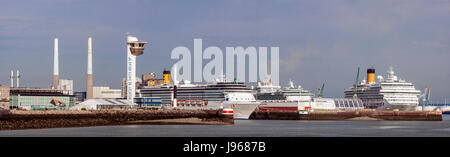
[106,92]
[105,104]
[151,80]
[4,97]
[79,97]
[39,99]
[66,85]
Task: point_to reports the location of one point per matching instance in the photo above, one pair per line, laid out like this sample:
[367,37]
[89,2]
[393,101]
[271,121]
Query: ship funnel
[370,75]
[166,76]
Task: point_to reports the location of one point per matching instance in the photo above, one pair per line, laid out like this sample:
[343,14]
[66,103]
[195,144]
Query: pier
[441,107]
[349,115]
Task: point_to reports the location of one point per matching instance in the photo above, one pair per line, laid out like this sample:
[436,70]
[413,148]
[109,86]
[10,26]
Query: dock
[349,115]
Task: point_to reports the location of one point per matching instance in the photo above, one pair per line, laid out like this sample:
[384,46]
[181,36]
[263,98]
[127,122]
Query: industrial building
[79,97]
[39,99]
[4,97]
[151,80]
[106,92]
[66,85]
[105,104]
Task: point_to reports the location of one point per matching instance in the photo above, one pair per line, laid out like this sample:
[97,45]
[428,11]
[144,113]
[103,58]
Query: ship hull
[278,106]
[398,107]
[281,108]
[242,110]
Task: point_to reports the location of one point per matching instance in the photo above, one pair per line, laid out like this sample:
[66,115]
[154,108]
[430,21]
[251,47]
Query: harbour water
[255,128]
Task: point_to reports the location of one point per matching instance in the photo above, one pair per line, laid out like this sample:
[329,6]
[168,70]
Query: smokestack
[370,75]
[18,77]
[166,76]
[55,65]
[89,88]
[12,78]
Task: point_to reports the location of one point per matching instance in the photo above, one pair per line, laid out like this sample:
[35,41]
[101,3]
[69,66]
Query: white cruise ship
[291,98]
[388,92]
[276,98]
[211,96]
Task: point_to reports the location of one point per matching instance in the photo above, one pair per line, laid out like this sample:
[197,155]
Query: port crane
[425,97]
[355,86]
[321,91]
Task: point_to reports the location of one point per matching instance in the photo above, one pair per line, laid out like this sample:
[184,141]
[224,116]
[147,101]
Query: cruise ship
[387,93]
[275,98]
[291,98]
[211,96]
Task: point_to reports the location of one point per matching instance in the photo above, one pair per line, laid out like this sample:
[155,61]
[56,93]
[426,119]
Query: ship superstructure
[266,91]
[388,92]
[210,96]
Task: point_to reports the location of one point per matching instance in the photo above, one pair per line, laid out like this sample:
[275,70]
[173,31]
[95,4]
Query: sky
[320,41]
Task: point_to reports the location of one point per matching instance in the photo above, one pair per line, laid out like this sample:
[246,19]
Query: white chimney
[55,65]
[55,58]
[12,78]
[89,68]
[18,77]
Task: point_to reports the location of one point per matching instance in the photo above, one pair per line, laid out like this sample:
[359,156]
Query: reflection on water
[258,128]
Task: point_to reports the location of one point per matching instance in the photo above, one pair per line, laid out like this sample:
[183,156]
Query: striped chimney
[55,65]
[89,82]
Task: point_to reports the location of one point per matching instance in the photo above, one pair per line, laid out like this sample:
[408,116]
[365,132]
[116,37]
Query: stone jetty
[17,119]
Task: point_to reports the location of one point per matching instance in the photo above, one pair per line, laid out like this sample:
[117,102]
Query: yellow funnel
[370,75]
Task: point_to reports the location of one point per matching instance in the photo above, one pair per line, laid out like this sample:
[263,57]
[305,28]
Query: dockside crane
[425,97]
[321,91]
[355,86]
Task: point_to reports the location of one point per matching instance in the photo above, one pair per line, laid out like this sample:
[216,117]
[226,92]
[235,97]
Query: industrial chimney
[55,65]
[89,88]
[12,78]
[18,77]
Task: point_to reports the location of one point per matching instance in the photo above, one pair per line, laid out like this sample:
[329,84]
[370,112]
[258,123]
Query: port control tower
[134,48]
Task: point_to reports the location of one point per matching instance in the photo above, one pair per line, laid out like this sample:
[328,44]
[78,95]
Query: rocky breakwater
[14,119]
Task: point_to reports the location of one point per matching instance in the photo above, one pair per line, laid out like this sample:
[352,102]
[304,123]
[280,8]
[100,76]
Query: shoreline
[18,120]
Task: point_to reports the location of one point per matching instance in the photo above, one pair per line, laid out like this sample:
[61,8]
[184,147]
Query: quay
[17,119]
[349,115]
